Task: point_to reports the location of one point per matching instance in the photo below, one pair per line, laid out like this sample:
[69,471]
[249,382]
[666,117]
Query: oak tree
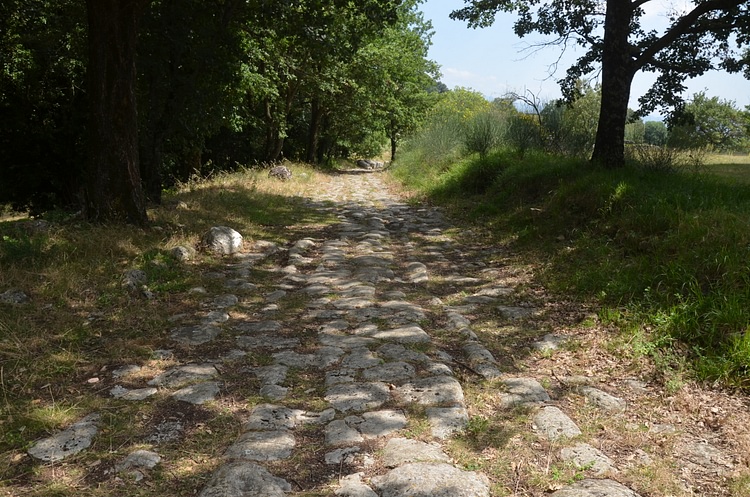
[710,34]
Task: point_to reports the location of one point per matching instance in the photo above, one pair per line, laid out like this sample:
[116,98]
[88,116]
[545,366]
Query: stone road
[375,349]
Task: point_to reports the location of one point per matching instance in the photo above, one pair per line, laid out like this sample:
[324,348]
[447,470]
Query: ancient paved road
[374,347]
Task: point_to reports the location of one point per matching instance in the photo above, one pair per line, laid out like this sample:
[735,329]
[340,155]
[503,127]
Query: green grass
[668,250]
[732,167]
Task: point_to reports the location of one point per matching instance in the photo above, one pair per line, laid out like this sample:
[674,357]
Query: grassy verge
[665,254]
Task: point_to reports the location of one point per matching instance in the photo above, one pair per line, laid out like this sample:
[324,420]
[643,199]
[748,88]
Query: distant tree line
[216,84]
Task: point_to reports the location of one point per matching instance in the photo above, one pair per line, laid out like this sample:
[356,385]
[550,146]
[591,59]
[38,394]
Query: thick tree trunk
[113,190]
[617,76]
[313,136]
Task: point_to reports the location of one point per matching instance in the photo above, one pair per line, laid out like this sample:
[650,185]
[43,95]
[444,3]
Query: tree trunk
[113,190]
[313,136]
[394,141]
[617,76]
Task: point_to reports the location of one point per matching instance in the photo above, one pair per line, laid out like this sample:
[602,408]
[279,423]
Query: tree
[181,102]
[655,133]
[696,41]
[113,190]
[711,122]
[42,103]
[395,76]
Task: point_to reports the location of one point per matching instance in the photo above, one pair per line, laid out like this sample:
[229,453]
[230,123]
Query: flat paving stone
[352,303]
[550,342]
[340,376]
[215,317]
[405,310]
[554,424]
[272,417]
[126,370]
[445,421]
[273,392]
[390,372]
[352,486]
[244,479]
[481,360]
[433,391]
[198,394]
[377,424]
[457,321]
[431,480]
[514,312]
[120,392]
[180,376]
[522,391]
[360,358]
[340,432]
[139,459]
[196,334]
[595,488]
[326,356]
[273,374]
[358,397]
[68,442]
[346,341]
[603,400]
[706,457]
[267,341]
[262,446]
[257,326]
[397,352]
[223,301]
[404,334]
[585,456]
[399,451]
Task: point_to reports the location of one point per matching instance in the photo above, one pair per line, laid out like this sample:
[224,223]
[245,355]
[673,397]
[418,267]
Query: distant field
[736,167]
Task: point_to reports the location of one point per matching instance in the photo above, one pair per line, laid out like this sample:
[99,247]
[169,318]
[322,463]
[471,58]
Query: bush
[666,159]
[483,133]
[522,134]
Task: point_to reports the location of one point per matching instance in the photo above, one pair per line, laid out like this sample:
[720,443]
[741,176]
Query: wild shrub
[666,159]
[523,134]
[483,133]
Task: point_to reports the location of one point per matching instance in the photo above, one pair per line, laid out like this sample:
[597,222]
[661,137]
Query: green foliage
[523,133]
[219,85]
[42,106]
[655,133]
[570,129]
[710,122]
[483,133]
[21,248]
[708,35]
[669,250]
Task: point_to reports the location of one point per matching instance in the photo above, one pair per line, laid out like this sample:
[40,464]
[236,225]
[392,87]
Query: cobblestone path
[374,350]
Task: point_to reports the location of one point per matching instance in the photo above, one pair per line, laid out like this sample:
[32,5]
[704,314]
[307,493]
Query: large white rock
[222,240]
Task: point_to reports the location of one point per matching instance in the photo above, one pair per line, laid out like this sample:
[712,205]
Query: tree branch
[681,27]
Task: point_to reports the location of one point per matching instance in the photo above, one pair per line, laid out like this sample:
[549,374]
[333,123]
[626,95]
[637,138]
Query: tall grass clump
[484,133]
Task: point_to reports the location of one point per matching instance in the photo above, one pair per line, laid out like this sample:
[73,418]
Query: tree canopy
[708,35]
[190,87]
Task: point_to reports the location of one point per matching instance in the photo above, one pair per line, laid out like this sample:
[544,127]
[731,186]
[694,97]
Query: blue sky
[495,61]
